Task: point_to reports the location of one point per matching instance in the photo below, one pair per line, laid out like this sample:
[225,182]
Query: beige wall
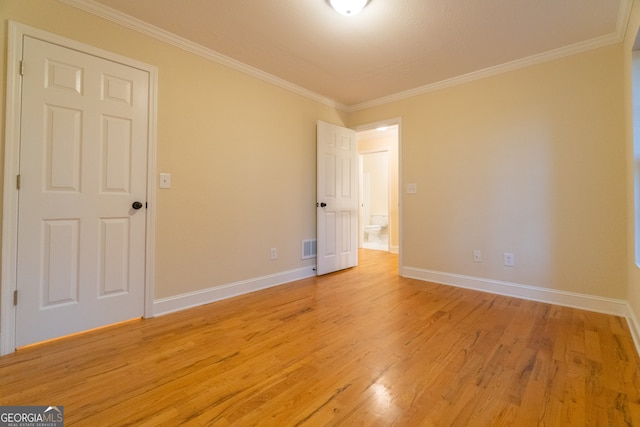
[633,190]
[530,162]
[241,153]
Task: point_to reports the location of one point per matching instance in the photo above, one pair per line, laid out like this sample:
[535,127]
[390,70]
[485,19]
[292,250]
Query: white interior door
[83,163]
[337,193]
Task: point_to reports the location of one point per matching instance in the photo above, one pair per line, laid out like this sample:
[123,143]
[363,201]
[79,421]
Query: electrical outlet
[477,255]
[509,259]
[274,253]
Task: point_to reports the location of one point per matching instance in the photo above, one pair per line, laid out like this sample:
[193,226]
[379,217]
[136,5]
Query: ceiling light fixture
[348,7]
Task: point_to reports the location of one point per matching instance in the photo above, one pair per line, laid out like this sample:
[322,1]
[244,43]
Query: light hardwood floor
[357,347]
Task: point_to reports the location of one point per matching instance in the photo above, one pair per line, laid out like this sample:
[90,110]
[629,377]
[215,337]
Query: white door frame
[8,280]
[391,122]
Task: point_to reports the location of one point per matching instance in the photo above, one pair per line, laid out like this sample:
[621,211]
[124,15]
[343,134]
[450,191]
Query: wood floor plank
[358,347]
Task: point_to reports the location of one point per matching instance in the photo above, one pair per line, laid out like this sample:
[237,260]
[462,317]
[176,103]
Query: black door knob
[323,204]
[136,205]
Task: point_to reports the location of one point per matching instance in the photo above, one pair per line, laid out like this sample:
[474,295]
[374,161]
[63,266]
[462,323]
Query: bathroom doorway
[378,207]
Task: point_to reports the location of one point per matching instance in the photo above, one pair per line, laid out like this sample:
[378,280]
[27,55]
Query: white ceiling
[393,46]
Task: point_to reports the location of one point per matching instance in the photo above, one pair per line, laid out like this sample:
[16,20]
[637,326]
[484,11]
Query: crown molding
[147,29]
[135,24]
[602,41]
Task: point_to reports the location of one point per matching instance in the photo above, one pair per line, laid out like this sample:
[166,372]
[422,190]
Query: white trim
[8,280]
[611,306]
[394,121]
[217,293]
[634,327]
[10,199]
[150,259]
[597,304]
[616,37]
[192,47]
[140,26]
[491,71]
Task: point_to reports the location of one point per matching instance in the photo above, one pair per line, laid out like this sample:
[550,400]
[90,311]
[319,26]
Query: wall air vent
[309,249]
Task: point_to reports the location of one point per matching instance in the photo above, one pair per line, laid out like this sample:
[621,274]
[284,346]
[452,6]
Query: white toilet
[378,223]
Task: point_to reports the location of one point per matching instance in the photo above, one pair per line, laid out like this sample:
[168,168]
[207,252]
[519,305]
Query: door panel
[114,259]
[337,182]
[61,254]
[116,158]
[83,162]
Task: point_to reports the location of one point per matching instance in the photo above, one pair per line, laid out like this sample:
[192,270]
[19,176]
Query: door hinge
[22,68]
[15,297]
[18,182]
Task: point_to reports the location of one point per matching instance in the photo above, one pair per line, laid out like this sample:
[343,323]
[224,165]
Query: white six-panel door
[337,193]
[83,163]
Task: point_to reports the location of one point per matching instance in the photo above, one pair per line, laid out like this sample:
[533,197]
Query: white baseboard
[634,327]
[569,299]
[193,299]
[604,305]
[394,249]
[552,296]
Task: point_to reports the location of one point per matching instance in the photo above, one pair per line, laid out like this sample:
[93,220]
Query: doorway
[374,202]
[378,148]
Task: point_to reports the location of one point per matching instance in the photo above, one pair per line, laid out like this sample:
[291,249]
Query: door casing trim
[8,279]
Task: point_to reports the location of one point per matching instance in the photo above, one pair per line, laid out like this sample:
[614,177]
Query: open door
[337,198]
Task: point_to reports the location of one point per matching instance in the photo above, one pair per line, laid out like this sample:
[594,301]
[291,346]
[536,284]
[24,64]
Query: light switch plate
[412,188]
[165,180]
